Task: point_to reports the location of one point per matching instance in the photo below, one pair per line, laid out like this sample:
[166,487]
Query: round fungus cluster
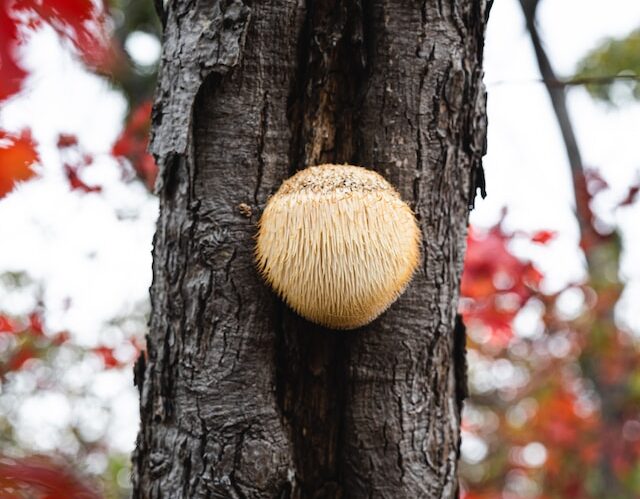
[338,244]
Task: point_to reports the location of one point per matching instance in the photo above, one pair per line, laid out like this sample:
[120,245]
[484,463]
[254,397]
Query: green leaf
[612,69]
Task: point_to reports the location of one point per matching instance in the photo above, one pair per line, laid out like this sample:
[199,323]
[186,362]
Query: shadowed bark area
[239,396]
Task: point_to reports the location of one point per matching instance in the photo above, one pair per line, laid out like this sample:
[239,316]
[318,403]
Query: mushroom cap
[338,245]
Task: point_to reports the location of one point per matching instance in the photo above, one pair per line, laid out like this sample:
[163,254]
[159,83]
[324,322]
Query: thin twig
[585,80]
[559,103]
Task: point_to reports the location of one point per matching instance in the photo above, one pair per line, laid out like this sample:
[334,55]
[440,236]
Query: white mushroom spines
[338,244]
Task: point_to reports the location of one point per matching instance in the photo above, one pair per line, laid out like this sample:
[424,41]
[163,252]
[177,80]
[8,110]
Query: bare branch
[573,82]
[559,103]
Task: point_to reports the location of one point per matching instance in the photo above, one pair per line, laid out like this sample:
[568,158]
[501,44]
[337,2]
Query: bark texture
[241,398]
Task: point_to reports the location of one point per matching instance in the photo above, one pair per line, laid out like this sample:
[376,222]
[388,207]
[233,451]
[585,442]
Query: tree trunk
[241,398]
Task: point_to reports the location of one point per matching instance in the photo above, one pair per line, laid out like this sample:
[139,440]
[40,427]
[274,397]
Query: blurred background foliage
[552,411]
[133,20]
[619,57]
[40,368]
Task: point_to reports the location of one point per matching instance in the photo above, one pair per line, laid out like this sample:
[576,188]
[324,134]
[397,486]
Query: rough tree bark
[241,398]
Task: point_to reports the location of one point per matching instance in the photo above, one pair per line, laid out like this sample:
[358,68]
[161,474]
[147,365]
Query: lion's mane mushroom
[338,244]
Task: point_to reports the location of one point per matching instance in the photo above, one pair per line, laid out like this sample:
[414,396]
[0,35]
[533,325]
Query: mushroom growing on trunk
[338,244]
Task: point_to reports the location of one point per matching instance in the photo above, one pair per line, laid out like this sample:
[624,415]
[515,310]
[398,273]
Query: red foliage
[107,357]
[11,73]
[83,22]
[133,142]
[632,195]
[17,156]
[7,324]
[60,338]
[579,387]
[76,182]
[70,148]
[495,284]
[35,324]
[19,358]
[30,341]
[543,236]
[79,21]
[42,477]
[557,421]
[587,186]
[66,140]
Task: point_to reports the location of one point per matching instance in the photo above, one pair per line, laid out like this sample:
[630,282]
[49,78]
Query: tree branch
[573,82]
[559,102]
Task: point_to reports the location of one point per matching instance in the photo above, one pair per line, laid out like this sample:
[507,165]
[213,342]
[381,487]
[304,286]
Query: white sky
[94,249]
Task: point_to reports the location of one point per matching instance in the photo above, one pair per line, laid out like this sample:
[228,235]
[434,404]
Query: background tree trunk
[241,398]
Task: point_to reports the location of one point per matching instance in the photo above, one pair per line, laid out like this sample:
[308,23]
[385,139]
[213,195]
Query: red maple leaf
[17,156]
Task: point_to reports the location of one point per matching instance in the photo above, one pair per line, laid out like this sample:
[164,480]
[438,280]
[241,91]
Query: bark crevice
[312,360]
